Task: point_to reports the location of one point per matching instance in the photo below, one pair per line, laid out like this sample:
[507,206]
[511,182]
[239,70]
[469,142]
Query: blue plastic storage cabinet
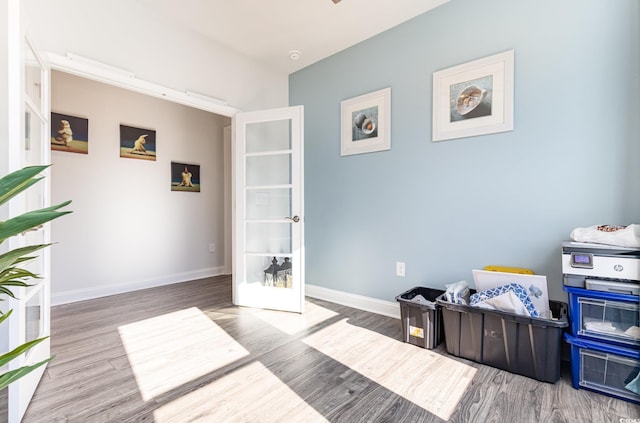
[604,316]
[605,368]
[605,343]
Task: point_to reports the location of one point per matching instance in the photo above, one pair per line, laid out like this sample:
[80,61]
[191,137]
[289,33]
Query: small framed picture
[69,133]
[185,177]
[475,98]
[366,123]
[137,143]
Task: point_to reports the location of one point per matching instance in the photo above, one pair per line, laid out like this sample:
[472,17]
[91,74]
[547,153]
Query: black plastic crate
[421,323]
[527,346]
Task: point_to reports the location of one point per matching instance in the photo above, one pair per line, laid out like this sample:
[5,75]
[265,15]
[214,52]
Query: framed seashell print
[366,123]
[475,98]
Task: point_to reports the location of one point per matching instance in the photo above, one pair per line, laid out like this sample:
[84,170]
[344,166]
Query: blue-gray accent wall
[445,208]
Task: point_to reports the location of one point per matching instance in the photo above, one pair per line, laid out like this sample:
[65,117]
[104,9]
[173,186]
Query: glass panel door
[268,253]
[31,307]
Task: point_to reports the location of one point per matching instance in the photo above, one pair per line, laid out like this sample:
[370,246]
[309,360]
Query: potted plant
[11,274]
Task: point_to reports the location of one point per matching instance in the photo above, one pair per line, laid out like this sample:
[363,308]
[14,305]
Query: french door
[268,259]
[29,146]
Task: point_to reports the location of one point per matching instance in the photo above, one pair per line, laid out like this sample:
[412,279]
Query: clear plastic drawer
[605,368]
[605,316]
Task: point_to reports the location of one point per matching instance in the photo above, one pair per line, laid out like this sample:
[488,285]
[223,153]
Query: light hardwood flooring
[184,353]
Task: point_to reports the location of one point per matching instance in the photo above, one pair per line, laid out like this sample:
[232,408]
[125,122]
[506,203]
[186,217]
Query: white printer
[601,267]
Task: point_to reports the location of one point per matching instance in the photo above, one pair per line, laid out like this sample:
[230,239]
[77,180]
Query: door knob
[296,219]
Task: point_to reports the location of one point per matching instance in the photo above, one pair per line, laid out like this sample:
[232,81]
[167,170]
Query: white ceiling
[267,30]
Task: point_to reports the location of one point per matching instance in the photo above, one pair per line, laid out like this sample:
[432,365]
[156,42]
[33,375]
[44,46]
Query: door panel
[268,203]
[268,136]
[268,199]
[271,169]
[31,307]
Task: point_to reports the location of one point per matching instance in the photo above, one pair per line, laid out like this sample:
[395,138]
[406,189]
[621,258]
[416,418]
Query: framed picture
[137,143]
[185,177]
[474,98]
[366,123]
[69,133]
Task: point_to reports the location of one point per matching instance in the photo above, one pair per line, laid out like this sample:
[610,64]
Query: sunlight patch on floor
[249,394]
[430,380]
[292,323]
[160,363]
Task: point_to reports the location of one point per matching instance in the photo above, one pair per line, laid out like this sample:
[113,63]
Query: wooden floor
[184,353]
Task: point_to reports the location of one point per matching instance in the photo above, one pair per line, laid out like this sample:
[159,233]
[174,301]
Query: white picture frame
[536,286]
[366,123]
[475,98]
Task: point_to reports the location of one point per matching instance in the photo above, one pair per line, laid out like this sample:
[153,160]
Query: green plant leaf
[16,272]
[5,316]
[21,259]
[29,220]
[8,378]
[7,292]
[16,182]
[10,258]
[16,277]
[56,207]
[10,274]
[20,349]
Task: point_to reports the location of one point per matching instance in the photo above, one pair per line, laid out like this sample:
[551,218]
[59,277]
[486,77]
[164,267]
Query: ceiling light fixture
[294,55]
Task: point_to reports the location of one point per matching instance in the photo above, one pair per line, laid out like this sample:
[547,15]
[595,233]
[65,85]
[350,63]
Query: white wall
[133,37]
[128,229]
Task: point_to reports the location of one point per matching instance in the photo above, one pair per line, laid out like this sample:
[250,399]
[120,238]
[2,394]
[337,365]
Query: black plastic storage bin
[421,323]
[523,345]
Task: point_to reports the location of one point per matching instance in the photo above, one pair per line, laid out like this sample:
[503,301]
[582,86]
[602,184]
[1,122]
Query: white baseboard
[374,305]
[90,293]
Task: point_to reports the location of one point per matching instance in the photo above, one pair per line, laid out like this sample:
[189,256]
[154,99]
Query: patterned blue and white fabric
[512,297]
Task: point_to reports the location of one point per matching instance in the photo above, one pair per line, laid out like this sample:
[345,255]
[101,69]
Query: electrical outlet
[400,268]
[212,248]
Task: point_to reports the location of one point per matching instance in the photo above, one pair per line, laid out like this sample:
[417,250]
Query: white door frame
[107,74]
[25,149]
[228,208]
